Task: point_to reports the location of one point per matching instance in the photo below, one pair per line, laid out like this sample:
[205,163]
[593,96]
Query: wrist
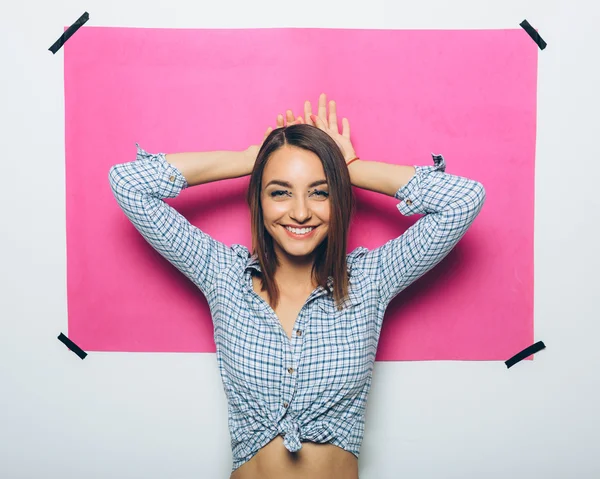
[251,151]
[352,160]
[250,154]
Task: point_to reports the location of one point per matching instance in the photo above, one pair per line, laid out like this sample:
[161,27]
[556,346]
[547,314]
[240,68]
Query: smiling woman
[300,179]
[296,365]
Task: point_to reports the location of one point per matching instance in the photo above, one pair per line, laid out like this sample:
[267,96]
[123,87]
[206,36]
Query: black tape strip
[72,346]
[69,32]
[533,34]
[534,348]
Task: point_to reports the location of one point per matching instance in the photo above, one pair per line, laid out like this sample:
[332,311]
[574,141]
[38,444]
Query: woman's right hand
[252,151]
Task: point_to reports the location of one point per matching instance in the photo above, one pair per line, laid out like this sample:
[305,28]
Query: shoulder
[353,259]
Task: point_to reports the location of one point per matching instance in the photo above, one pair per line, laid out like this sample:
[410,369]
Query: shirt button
[408,202]
[291,370]
[171,179]
[285,404]
[298,333]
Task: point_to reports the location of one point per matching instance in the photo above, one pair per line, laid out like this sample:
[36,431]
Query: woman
[296,324]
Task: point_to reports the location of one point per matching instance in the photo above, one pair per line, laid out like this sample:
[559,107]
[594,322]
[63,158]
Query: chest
[288,308]
[328,358]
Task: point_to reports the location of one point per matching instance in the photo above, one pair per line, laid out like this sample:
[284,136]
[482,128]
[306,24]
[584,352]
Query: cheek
[274,210]
[323,212]
[272,213]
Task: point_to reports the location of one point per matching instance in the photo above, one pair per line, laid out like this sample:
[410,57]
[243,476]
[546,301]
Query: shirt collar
[354,296]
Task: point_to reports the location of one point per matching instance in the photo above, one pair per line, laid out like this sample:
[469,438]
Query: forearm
[206,167]
[380,177]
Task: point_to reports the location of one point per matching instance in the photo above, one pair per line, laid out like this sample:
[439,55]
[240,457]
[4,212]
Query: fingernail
[313,118]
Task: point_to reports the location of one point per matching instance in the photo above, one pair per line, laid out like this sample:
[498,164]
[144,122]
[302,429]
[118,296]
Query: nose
[300,210]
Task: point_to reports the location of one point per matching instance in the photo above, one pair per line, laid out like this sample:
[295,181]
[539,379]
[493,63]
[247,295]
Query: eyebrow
[289,185]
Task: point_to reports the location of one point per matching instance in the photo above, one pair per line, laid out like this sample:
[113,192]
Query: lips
[300,227]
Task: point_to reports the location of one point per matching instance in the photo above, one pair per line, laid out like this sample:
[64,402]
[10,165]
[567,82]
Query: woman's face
[301,198]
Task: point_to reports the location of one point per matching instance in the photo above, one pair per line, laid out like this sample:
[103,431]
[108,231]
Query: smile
[301,232]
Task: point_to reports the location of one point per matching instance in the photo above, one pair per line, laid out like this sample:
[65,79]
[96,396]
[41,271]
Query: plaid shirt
[314,386]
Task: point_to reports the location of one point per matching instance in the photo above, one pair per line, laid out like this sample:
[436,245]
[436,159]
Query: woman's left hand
[320,121]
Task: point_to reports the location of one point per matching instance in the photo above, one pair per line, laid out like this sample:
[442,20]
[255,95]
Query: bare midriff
[313,461]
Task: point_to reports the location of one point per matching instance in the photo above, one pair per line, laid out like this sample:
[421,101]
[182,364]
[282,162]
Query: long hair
[330,257]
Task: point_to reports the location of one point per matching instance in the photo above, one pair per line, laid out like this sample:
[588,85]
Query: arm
[449,204]
[380,177]
[140,187]
[206,167]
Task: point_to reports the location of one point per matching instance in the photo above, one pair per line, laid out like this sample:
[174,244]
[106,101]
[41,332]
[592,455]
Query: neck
[295,282]
[295,274]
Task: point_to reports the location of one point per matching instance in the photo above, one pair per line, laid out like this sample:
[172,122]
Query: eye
[277,192]
[322,193]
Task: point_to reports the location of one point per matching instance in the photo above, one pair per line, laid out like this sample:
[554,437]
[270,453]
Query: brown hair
[330,257]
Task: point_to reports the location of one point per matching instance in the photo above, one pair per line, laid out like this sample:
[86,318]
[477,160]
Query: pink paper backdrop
[469,95]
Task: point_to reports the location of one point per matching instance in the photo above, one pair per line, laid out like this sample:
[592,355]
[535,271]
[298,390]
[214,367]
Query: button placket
[293,348]
[289,380]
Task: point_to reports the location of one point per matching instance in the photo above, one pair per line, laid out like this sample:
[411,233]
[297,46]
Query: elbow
[463,211]
[113,177]
[476,199]
[470,204]
[118,183]
[480,195]
[116,179]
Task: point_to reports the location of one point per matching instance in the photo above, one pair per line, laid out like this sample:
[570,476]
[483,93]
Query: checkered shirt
[314,386]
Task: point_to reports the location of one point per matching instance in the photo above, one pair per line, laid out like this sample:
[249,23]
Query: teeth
[299,231]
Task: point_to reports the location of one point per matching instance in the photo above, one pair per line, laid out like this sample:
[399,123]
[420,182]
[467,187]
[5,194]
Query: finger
[299,120]
[269,130]
[307,113]
[279,121]
[333,124]
[289,117]
[318,122]
[345,128]
[323,107]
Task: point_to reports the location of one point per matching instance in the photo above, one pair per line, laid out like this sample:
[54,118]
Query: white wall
[424,419]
